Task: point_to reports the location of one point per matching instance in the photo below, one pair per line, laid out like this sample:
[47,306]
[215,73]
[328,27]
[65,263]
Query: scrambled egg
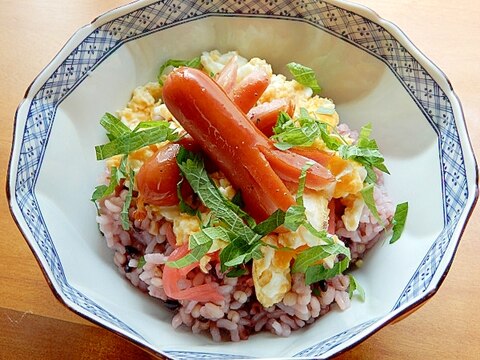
[271,274]
[140,107]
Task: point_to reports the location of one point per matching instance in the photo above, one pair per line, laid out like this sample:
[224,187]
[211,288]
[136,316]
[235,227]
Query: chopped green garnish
[318,273]
[246,243]
[141,262]
[236,272]
[126,205]
[193,63]
[366,153]
[399,219]
[314,254]
[183,206]
[304,75]
[294,217]
[288,134]
[135,140]
[114,126]
[270,224]
[240,252]
[238,199]
[367,194]
[102,191]
[116,174]
[301,182]
[355,287]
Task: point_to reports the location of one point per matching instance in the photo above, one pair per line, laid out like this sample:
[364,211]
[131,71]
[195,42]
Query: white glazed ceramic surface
[365,64]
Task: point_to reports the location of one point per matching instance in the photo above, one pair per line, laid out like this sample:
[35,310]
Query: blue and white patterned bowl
[366,64]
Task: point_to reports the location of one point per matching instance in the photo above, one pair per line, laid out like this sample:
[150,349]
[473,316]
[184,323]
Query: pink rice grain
[226,324]
[187,319]
[240,296]
[315,306]
[196,311]
[234,335]
[260,324]
[289,321]
[286,330]
[211,311]
[233,316]
[328,296]
[190,306]
[277,327]
[176,321]
[215,332]
[342,299]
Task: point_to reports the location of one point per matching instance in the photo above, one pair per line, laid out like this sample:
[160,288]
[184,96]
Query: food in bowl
[238,198]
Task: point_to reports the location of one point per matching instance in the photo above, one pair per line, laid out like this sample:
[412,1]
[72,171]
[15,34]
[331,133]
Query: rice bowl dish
[146,221]
[368,68]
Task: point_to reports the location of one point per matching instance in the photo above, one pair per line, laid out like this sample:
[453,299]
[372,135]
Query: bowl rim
[359,9]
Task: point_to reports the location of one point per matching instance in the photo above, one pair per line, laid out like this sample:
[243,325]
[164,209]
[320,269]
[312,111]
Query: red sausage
[158,177]
[231,140]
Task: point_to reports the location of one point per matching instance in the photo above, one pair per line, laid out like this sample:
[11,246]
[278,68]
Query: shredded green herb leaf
[102,191]
[288,134]
[318,273]
[270,224]
[366,153]
[314,254]
[355,287]
[183,206]
[304,75]
[294,217]
[399,220]
[236,272]
[114,126]
[126,205]
[367,194]
[193,63]
[134,140]
[192,167]
[301,182]
[141,262]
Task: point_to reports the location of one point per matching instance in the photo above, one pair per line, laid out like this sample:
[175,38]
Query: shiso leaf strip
[367,194]
[102,191]
[126,205]
[305,76]
[114,126]
[193,169]
[366,153]
[156,132]
[355,287]
[318,273]
[313,255]
[288,134]
[399,220]
[193,63]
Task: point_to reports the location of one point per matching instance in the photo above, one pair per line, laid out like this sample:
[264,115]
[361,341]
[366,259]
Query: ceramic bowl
[366,64]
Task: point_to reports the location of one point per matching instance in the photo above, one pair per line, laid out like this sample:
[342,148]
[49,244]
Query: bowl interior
[364,89]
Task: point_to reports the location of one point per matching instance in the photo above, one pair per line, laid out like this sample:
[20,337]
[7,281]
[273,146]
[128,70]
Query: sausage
[230,139]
